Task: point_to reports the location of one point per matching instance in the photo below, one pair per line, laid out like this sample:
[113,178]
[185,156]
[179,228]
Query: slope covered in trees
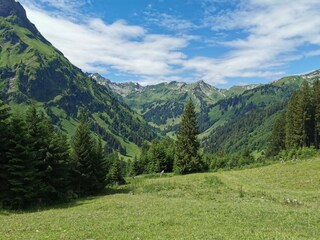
[162,104]
[34,71]
[299,126]
[245,122]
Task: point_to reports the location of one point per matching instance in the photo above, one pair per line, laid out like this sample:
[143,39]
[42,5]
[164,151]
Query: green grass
[243,204]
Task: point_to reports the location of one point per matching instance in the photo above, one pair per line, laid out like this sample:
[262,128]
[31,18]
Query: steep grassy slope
[274,202]
[33,71]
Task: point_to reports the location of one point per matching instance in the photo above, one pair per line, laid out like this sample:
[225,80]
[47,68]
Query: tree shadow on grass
[123,189]
[112,191]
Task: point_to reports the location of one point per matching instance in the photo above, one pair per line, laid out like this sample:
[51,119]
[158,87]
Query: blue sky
[222,42]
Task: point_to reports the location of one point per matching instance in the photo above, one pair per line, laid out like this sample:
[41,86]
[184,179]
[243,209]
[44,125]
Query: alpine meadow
[159,119]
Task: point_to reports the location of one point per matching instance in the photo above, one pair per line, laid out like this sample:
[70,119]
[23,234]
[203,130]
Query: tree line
[299,126]
[40,165]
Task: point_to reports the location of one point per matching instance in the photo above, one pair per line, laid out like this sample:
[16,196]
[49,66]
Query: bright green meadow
[279,201]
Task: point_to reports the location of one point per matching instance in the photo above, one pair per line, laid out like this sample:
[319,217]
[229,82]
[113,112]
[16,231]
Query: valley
[83,156]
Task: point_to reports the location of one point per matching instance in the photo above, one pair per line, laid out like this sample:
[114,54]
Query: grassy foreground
[280,201]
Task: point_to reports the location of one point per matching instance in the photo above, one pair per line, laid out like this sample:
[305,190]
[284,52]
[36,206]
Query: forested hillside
[223,115]
[162,104]
[33,71]
[245,122]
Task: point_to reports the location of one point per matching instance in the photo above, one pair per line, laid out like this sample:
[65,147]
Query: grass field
[279,201]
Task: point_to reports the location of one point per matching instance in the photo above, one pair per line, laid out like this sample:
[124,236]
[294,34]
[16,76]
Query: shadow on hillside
[112,191]
[71,204]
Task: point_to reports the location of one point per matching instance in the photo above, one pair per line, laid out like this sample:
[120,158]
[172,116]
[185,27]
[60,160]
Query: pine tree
[83,154]
[21,166]
[294,122]
[100,165]
[187,158]
[316,105]
[115,173]
[57,174]
[307,112]
[277,139]
[299,119]
[133,167]
[40,132]
[168,147]
[142,165]
[4,141]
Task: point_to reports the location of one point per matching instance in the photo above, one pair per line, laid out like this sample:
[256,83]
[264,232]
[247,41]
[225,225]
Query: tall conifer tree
[277,139]
[316,104]
[21,165]
[188,159]
[83,154]
[100,165]
[40,133]
[57,174]
[294,122]
[305,103]
[4,140]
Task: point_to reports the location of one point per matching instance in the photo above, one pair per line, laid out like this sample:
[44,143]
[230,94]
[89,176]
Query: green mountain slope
[245,122]
[162,104]
[240,118]
[33,71]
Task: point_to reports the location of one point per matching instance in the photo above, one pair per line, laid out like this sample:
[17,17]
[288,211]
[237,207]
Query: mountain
[162,104]
[236,119]
[34,71]
[245,121]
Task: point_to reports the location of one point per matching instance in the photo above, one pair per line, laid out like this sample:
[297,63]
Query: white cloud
[272,34]
[94,44]
[313,53]
[170,22]
[65,6]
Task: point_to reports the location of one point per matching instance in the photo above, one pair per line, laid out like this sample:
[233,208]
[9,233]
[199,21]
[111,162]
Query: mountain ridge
[32,70]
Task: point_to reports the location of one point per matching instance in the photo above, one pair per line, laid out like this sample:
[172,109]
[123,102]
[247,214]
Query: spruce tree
[115,173]
[57,174]
[316,105]
[294,122]
[133,167]
[83,154]
[100,165]
[188,159]
[305,102]
[21,166]
[4,141]
[40,133]
[277,138]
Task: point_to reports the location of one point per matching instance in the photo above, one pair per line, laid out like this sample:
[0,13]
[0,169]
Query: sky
[223,42]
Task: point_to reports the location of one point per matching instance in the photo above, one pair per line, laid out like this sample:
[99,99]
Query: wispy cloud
[169,22]
[274,31]
[272,34]
[96,46]
[70,7]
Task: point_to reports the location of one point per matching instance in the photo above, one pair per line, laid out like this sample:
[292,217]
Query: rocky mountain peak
[11,7]
[314,74]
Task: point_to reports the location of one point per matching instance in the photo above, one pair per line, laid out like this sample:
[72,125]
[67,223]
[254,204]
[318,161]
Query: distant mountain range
[127,114]
[162,104]
[232,119]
